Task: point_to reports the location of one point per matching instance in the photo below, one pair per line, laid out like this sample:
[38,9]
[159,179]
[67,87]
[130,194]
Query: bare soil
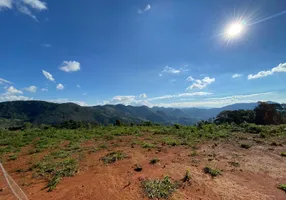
[261,169]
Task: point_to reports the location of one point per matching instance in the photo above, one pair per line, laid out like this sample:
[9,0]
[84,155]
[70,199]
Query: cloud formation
[236,75]
[5,4]
[3,81]
[12,90]
[180,95]
[47,45]
[148,7]
[143,96]
[279,69]
[44,89]
[60,86]
[48,75]
[171,70]
[12,97]
[24,6]
[200,84]
[32,88]
[70,66]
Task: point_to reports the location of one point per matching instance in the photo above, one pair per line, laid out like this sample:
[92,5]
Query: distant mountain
[41,112]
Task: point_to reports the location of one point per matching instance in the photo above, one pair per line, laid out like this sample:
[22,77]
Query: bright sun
[234,30]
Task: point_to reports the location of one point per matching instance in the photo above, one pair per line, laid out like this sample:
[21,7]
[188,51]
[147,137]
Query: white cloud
[13,97]
[25,10]
[180,95]
[148,7]
[44,89]
[143,96]
[5,4]
[48,75]
[200,84]
[236,75]
[36,4]
[279,69]
[32,88]
[70,66]
[3,81]
[60,86]
[25,6]
[81,103]
[84,94]
[47,45]
[190,78]
[223,101]
[160,74]
[12,90]
[171,70]
[78,86]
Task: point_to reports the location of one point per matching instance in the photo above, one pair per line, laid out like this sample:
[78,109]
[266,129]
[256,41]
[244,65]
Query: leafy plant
[282,187]
[159,188]
[187,177]
[283,154]
[212,172]
[147,145]
[113,157]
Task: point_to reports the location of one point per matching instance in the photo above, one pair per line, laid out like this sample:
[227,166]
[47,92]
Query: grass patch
[282,187]
[113,157]
[159,188]
[212,172]
[283,154]
[147,145]
[154,161]
[13,157]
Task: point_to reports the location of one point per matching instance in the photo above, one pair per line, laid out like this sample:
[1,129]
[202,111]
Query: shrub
[159,188]
[147,145]
[187,177]
[283,154]
[212,172]
[245,146]
[113,157]
[282,187]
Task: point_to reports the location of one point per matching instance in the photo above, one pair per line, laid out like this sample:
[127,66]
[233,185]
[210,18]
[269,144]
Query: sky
[143,52]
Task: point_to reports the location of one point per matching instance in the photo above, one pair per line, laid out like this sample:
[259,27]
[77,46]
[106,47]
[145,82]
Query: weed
[52,184]
[212,172]
[103,146]
[147,145]
[194,153]
[60,154]
[113,157]
[159,188]
[282,187]
[283,154]
[187,177]
[154,161]
[13,157]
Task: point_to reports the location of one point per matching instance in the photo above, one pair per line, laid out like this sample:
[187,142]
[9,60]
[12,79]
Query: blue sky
[137,52]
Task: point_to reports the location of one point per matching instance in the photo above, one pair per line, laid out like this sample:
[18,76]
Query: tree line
[263,114]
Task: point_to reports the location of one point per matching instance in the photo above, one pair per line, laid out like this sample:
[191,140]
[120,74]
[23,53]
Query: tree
[118,123]
[235,116]
[266,113]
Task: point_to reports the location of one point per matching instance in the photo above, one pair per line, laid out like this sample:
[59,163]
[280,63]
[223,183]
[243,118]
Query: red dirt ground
[261,170]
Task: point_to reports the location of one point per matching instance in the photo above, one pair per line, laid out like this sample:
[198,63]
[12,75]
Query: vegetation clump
[282,187]
[113,157]
[283,154]
[212,172]
[159,188]
[187,177]
[245,146]
[147,145]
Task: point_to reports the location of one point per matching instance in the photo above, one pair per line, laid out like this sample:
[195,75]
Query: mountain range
[41,112]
